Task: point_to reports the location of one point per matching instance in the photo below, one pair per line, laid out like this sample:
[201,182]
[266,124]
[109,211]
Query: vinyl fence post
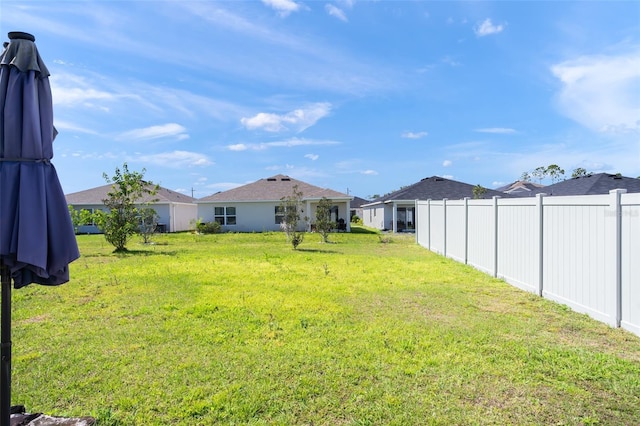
[444,227]
[615,232]
[466,230]
[429,224]
[540,240]
[495,235]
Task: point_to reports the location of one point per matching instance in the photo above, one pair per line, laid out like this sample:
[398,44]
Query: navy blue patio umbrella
[37,240]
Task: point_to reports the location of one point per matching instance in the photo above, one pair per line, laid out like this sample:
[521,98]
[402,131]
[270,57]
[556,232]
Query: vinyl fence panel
[456,230]
[582,251]
[519,228]
[481,232]
[576,255]
[630,262]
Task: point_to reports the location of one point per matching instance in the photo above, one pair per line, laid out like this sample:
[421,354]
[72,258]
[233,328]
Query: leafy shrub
[208,227]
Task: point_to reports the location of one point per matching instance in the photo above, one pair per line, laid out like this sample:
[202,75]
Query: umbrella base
[20,418]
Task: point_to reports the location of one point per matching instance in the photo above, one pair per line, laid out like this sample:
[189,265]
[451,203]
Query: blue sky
[357,96]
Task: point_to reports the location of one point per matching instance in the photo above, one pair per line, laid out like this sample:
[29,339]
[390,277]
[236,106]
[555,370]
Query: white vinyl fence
[582,251]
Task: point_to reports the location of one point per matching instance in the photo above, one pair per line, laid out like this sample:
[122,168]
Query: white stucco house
[255,207]
[396,211]
[177,211]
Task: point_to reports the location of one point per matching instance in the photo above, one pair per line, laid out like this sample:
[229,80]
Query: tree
[123,220]
[580,172]
[79,217]
[324,225]
[554,172]
[539,173]
[479,191]
[526,177]
[148,223]
[290,208]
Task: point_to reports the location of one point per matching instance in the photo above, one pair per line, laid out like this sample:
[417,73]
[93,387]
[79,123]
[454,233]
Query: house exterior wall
[378,216]
[385,216]
[173,217]
[260,216]
[182,216]
[581,251]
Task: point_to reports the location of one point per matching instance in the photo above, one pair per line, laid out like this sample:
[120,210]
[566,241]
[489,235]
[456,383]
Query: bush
[356,219]
[208,228]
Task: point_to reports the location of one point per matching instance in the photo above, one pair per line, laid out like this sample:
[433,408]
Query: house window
[279,214]
[225,215]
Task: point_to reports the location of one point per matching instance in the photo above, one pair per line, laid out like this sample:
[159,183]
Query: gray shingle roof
[273,188]
[358,202]
[599,183]
[96,195]
[436,188]
[520,188]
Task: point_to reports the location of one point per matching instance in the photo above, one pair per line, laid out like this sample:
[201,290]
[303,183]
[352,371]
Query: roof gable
[520,187]
[96,195]
[273,188]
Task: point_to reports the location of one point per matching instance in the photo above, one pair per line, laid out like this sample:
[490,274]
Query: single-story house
[396,211]
[593,184]
[255,207]
[356,207]
[176,211]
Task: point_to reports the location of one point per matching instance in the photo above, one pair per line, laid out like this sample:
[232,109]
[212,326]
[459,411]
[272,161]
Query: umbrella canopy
[37,240]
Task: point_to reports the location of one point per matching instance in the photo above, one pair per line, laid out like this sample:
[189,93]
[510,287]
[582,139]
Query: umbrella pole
[5,349]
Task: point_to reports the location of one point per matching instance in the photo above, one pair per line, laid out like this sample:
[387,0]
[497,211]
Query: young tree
[122,219]
[526,177]
[324,225]
[79,217]
[291,206]
[148,223]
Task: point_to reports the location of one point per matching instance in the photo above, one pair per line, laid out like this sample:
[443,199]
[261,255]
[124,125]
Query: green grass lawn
[242,329]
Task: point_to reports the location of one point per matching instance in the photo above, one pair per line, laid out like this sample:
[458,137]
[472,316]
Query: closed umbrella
[37,240]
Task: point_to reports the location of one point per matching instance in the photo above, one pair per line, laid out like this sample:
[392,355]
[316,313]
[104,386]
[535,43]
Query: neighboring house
[356,207]
[396,211]
[598,183]
[520,188]
[256,207]
[176,211]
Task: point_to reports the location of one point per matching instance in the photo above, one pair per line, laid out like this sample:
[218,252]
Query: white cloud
[601,92]
[335,12]
[312,157]
[176,159]
[69,90]
[486,27]
[62,126]
[414,135]
[172,130]
[237,147]
[289,143]
[447,163]
[297,120]
[283,7]
[497,130]
[369,172]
